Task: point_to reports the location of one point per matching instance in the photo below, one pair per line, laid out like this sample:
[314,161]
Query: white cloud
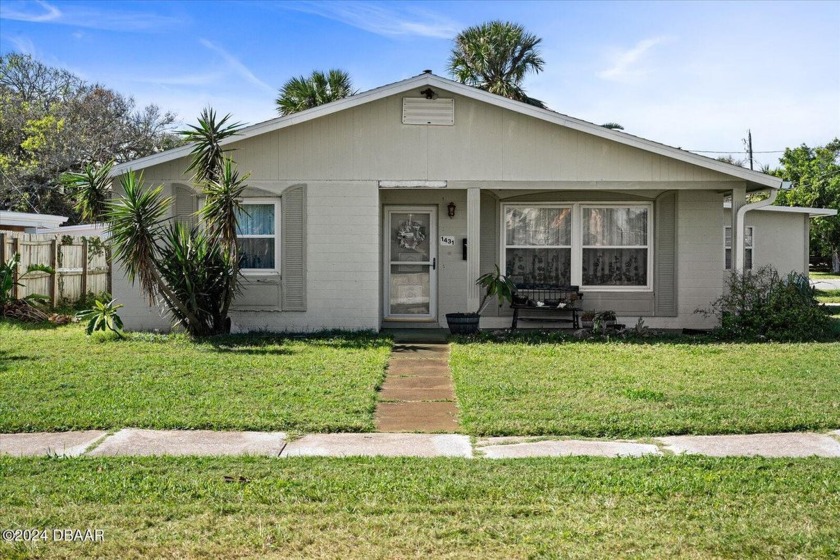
[236,65]
[382,20]
[24,45]
[625,65]
[81,16]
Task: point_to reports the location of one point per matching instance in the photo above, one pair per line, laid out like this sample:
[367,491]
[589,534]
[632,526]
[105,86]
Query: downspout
[740,216]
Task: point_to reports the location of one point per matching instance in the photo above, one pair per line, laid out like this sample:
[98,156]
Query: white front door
[410,262]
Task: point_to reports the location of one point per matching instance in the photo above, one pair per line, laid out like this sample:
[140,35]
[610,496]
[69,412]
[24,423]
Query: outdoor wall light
[451,209]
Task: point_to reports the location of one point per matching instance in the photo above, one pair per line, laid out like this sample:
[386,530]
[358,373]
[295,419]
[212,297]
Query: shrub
[761,305]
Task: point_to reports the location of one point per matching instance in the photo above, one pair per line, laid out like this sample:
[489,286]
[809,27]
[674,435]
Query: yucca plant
[102,317]
[192,271]
[92,189]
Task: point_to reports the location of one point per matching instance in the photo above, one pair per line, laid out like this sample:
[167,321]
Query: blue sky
[690,74]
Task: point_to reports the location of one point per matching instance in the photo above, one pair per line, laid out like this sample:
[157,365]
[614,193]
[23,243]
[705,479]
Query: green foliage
[299,94]
[815,177]
[52,122]
[102,317]
[7,278]
[207,154]
[760,305]
[198,272]
[91,189]
[495,56]
[193,271]
[495,284]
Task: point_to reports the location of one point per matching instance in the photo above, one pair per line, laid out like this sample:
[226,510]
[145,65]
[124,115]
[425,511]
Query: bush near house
[761,305]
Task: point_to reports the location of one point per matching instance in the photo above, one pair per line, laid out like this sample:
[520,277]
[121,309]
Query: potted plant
[494,284]
[587,319]
[603,321]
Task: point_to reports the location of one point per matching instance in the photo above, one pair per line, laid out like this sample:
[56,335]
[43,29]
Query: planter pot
[463,323]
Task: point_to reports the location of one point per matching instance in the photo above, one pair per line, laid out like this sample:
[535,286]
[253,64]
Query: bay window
[257,236]
[599,247]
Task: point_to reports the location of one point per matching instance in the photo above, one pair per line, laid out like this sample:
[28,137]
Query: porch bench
[559,303]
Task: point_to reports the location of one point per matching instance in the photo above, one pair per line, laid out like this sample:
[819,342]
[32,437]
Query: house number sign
[447,241]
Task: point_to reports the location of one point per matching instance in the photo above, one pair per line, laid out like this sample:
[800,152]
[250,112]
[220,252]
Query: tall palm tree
[299,94]
[495,56]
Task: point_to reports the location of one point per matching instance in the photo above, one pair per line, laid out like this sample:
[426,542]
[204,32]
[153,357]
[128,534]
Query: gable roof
[431,80]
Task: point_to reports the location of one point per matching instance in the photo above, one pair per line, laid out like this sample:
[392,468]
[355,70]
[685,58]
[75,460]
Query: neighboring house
[81,230]
[28,223]
[381,210]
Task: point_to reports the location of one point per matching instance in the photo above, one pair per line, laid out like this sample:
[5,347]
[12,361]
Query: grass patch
[403,508]
[54,379]
[828,296]
[823,276]
[627,389]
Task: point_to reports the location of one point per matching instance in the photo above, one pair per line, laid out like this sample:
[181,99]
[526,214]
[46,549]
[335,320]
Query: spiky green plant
[92,189]
[192,271]
[207,154]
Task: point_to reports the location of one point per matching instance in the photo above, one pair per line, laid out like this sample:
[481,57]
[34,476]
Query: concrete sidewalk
[138,442]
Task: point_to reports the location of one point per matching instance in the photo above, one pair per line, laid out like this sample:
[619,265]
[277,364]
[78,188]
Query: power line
[736,151]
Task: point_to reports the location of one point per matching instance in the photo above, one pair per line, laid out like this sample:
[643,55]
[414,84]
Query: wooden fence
[81,265]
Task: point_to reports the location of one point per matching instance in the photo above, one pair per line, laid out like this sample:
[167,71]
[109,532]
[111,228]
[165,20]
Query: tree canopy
[496,56]
[815,177]
[301,93]
[53,122]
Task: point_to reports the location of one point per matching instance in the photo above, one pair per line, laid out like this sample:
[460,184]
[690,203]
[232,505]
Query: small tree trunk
[835,261]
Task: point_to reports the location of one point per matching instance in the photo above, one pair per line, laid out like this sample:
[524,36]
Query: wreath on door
[410,234]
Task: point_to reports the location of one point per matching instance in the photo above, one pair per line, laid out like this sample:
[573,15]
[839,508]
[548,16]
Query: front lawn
[659,507]
[54,379]
[624,389]
[828,296]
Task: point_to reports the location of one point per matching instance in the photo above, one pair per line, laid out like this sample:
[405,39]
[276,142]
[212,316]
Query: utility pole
[749,147]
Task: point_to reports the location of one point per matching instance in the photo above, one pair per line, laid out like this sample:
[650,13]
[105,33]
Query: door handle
[434,264]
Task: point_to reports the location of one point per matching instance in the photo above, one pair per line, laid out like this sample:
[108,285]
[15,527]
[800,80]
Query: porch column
[473,247]
[739,199]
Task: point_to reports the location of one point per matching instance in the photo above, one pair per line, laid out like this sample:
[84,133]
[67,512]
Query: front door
[410,262]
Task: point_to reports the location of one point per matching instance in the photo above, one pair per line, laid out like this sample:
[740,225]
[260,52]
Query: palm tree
[495,56]
[193,271]
[299,94]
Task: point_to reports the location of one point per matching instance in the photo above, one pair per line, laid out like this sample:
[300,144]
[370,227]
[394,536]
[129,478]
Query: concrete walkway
[418,395]
[137,442]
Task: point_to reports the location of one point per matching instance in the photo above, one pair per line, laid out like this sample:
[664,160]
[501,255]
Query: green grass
[623,389]
[828,296]
[54,379]
[824,276]
[689,507]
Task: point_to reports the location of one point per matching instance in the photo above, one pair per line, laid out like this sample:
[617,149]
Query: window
[615,246]
[257,234]
[603,247]
[538,243]
[748,247]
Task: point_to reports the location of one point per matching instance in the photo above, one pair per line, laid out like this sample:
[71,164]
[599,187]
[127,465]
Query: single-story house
[381,210]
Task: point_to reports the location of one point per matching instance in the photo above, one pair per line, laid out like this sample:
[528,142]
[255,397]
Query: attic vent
[428,111]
